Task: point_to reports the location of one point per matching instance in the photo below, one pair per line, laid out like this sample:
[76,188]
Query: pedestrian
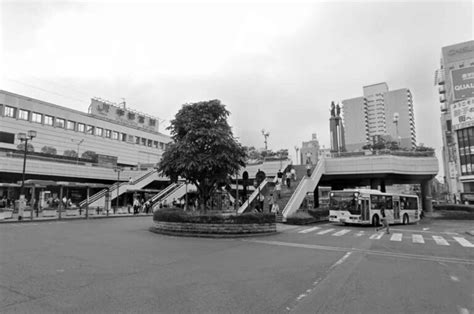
[278,190]
[384,220]
[271,201]
[308,158]
[293,173]
[308,170]
[279,176]
[130,180]
[288,179]
[261,200]
[136,206]
[275,208]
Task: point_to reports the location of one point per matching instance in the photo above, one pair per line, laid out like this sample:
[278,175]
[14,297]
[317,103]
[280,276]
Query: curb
[27,220]
[211,235]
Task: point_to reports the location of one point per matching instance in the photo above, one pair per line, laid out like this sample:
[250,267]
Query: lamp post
[265,136]
[24,137]
[396,118]
[78,144]
[297,149]
[118,170]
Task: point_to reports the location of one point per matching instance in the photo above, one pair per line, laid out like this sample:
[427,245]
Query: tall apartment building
[380,112]
[455,81]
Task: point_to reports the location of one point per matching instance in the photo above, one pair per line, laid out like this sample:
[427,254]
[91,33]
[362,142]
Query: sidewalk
[92,215]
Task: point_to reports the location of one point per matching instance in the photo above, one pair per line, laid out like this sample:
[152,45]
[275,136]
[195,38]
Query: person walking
[288,179]
[279,176]
[136,206]
[278,190]
[271,201]
[293,173]
[384,220]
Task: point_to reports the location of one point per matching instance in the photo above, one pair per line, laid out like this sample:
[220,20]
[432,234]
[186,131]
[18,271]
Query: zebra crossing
[447,239]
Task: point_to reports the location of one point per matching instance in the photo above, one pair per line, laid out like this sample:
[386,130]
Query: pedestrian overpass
[375,170]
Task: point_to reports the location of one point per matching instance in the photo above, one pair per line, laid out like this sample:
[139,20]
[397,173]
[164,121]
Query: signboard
[452,170]
[463,83]
[462,114]
[117,113]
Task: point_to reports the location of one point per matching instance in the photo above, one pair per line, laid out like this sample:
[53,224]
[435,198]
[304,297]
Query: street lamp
[396,118]
[265,136]
[297,149]
[118,170]
[25,137]
[78,144]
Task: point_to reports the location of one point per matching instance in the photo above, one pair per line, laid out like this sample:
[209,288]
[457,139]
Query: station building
[455,82]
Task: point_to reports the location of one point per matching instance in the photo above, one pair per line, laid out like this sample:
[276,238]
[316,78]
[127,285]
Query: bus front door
[396,210]
[365,210]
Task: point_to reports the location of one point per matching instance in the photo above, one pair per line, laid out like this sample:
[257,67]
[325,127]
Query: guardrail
[369,153]
[252,197]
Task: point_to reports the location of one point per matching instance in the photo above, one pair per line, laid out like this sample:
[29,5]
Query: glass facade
[466,150]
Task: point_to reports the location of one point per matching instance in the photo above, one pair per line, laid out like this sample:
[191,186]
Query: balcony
[442,99]
[442,90]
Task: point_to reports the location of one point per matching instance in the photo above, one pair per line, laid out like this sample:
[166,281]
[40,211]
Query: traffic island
[212,224]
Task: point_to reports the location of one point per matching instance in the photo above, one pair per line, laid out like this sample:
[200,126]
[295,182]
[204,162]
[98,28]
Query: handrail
[252,197]
[162,193]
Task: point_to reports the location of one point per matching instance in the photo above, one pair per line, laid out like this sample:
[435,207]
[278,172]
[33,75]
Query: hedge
[455,207]
[300,218]
[178,215]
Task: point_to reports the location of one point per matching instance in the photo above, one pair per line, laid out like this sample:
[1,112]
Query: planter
[72,212]
[49,212]
[210,229]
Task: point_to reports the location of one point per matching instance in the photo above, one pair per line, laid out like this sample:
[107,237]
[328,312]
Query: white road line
[396,237]
[454,278]
[325,231]
[359,234]
[376,236]
[417,238]
[424,229]
[342,232]
[341,260]
[440,240]
[463,242]
[309,230]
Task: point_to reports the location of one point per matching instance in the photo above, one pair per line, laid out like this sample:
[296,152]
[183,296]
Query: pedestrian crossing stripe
[376,236]
[359,234]
[325,231]
[396,237]
[440,240]
[463,242]
[417,238]
[309,230]
[342,232]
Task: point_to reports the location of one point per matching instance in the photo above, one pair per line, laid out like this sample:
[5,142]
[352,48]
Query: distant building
[455,82]
[379,113]
[310,150]
[336,129]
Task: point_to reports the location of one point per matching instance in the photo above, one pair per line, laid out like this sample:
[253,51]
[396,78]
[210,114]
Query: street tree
[204,150]
[70,153]
[30,148]
[89,154]
[49,150]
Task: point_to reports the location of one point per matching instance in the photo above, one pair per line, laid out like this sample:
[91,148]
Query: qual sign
[463,83]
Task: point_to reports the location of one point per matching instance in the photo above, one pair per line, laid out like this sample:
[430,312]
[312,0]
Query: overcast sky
[275,66]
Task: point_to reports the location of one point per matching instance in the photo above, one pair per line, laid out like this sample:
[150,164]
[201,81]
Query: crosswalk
[447,239]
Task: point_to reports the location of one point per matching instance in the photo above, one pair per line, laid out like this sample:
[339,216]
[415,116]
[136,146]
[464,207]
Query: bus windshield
[346,201]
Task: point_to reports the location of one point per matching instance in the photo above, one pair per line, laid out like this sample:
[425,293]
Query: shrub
[455,207]
[178,215]
[319,212]
[300,218]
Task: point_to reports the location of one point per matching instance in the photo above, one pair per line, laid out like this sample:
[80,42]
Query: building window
[81,127]
[150,143]
[115,135]
[99,131]
[144,141]
[466,151]
[7,137]
[10,112]
[124,137]
[108,133]
[155,144]
[23,115]
[36,117]
[162,145]
[48,120]
[90,129]
[71,125]
[137,140]
[60,123]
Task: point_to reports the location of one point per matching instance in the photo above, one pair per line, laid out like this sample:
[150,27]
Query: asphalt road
[118,266]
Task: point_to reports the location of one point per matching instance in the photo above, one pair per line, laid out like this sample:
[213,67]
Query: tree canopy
[49,150]
[204,150]
[30,148]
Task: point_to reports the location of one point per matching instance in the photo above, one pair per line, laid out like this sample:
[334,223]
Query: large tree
[204,150]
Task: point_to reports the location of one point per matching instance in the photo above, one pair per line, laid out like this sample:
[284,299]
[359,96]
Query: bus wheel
[375,221]
[406,220]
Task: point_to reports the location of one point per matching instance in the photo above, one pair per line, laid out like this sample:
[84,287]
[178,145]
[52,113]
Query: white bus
[362,206]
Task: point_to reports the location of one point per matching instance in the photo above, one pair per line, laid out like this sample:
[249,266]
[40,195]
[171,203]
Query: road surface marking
[325,231]
[424,229]
[431,258]
[342,232]
[396,237]
[463,310]
[440,240]
[454,278]
[463,242]
[417,238]
[376,236]
[341,260]
[359,234]
[309,230]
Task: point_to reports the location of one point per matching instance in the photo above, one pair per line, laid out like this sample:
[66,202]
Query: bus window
[345,201]
[388,202]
